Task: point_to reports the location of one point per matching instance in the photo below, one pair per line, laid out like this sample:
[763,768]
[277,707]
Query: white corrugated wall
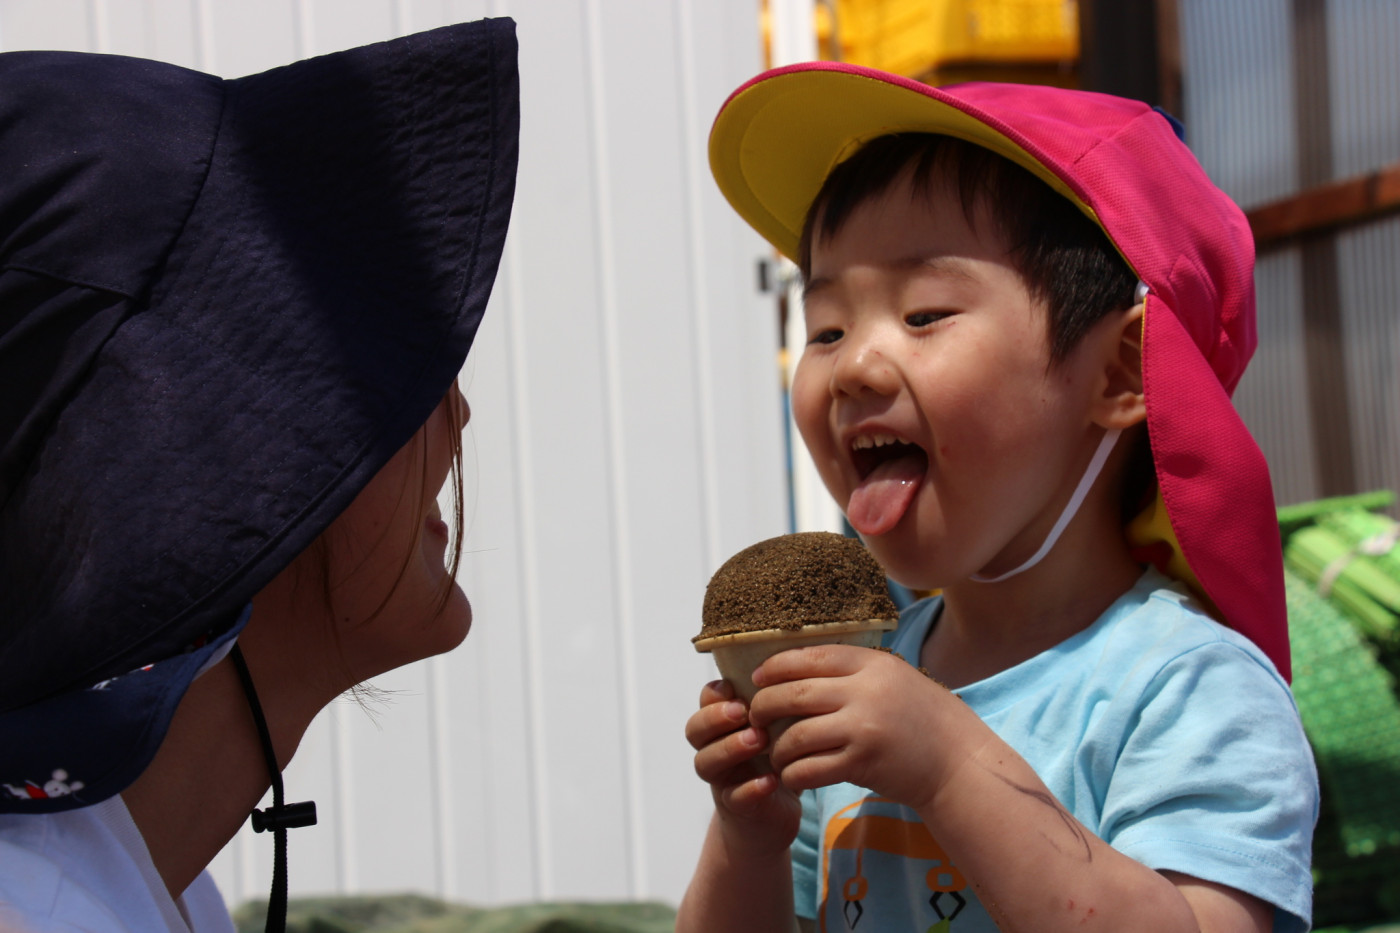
[1241,114]
[625,439]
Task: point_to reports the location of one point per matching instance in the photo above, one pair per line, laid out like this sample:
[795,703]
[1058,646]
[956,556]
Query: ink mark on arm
[1049,800]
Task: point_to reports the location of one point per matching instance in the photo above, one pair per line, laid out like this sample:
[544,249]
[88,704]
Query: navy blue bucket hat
[224,305]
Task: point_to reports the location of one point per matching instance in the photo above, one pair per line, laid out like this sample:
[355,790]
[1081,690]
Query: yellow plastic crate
[918,37]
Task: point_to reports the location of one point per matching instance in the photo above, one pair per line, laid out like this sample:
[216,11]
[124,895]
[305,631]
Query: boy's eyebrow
[956,267]
[810,286]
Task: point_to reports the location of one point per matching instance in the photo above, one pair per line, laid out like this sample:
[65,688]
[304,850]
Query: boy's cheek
[812,406]
[826,454]
[833,479]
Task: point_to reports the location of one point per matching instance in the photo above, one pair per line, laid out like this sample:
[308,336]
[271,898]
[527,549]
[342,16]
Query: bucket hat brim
[246,295]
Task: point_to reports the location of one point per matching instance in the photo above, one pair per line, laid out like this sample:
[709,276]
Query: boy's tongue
[879,502]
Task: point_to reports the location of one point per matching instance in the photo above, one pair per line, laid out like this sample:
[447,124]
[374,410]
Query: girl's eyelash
[932,317]
[825,336]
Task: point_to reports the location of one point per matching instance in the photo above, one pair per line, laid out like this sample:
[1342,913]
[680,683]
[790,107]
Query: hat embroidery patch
[104,684]
[57,786]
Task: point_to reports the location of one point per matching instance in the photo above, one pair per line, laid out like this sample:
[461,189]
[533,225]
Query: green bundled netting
[1293,517]
[1358,528]
[1348,702]
[1351,556]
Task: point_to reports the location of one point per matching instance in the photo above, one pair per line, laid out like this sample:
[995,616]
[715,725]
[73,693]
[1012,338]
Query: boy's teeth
[865,441]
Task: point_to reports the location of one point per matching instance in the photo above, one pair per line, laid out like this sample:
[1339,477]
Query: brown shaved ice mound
[795,580]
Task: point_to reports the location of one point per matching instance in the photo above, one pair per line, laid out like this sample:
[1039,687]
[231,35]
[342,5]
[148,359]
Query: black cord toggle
[279,816]
[285,816]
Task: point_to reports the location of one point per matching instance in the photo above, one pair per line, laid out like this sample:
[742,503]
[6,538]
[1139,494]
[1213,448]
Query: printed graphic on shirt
[883,870]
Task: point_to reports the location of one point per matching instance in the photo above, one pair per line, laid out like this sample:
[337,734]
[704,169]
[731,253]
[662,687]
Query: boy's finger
[815,661]
[813,769]
[715,763]
[715,691]
[813,737]
[742,799]
[713,721]
[813,697]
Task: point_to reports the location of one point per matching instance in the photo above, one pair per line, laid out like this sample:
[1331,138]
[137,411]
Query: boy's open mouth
[891,470]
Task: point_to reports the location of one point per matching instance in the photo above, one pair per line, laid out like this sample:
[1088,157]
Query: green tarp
[410,913]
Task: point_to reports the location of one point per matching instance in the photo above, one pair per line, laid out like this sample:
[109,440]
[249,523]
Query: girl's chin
[455,620]
[430,635]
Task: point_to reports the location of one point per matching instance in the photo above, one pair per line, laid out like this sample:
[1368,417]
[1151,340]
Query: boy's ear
[1119,402]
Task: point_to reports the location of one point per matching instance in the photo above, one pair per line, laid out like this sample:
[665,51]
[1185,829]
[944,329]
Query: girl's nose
[459,403]
[862,366]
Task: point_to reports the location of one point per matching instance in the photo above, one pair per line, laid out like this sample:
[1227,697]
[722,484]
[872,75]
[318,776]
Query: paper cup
[737,655]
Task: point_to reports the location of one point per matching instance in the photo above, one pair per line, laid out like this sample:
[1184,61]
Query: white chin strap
[1086,483]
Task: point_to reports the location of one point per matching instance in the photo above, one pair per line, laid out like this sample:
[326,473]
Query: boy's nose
[863,366]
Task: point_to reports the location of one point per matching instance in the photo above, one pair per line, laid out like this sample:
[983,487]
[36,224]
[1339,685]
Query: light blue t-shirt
[1169,735]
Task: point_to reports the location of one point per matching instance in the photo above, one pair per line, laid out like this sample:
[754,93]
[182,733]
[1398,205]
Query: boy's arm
[735,891]
[1032,864]
[1218,907]
[1035,867]
[743,882]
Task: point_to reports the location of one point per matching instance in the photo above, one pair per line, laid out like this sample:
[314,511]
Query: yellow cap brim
[778,137]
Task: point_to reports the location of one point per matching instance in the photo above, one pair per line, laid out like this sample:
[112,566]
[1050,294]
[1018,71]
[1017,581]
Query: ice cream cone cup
[739,654]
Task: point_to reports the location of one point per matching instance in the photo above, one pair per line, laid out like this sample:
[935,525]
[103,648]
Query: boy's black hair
[1065,259]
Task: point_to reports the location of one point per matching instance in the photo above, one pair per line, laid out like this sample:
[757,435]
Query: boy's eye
[925,318]
[825,336]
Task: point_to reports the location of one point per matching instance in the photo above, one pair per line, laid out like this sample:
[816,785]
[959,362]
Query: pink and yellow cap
[1213,524]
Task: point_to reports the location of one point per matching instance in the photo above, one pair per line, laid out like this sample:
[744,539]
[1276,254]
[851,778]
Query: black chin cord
[279,817]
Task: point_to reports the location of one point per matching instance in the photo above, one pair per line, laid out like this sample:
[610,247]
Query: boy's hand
[756,814]
[868,718]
